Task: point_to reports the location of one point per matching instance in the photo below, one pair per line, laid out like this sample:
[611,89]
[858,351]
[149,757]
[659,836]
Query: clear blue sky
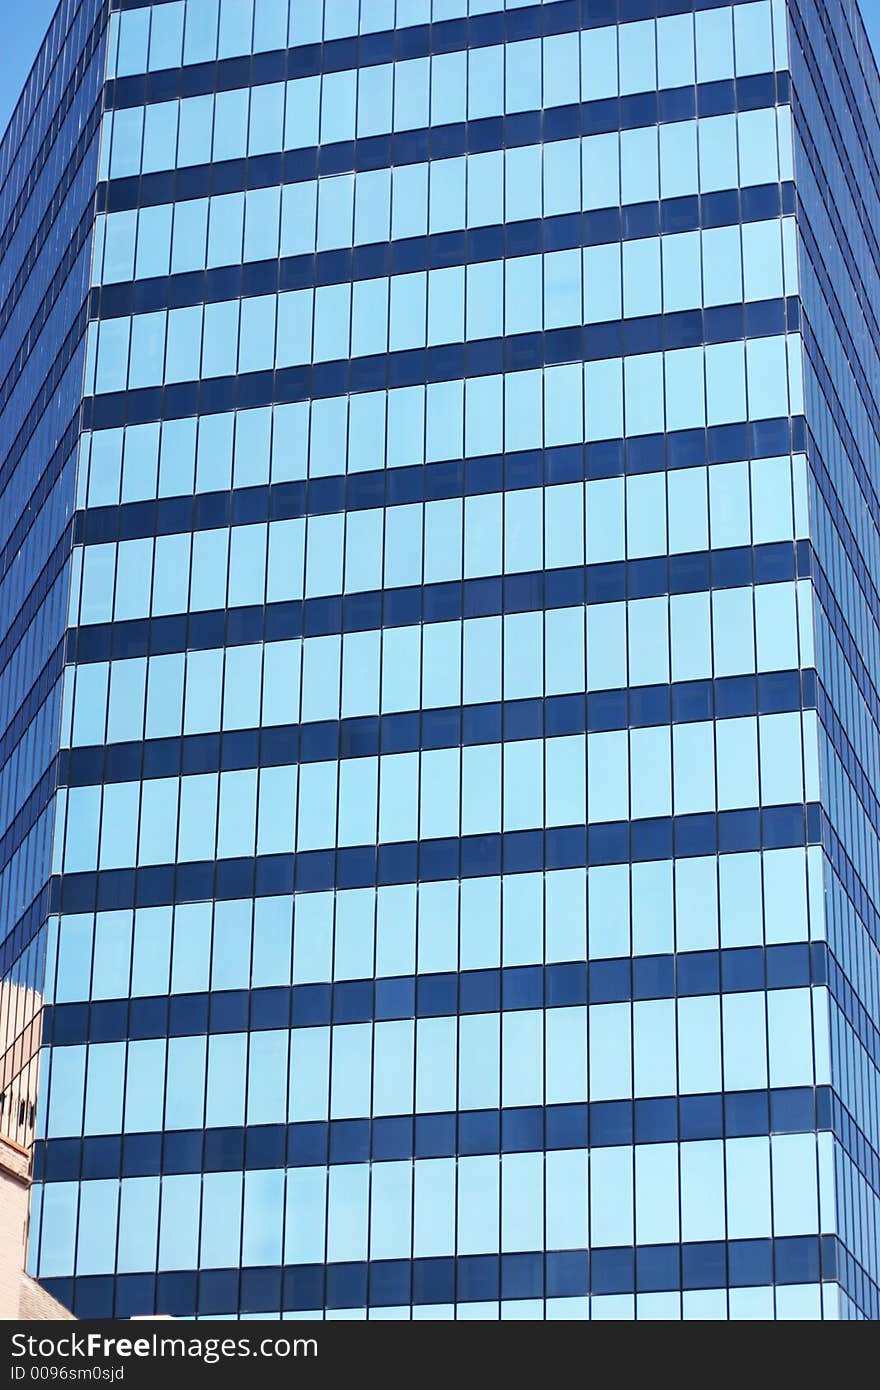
[25,22]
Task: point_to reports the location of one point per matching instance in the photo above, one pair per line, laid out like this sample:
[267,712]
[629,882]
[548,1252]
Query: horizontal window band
[451,362]
[432,143]
[463,1278]
[431,482]
[439,250]
[472,856]
[727,697]
[689,973]
[395,1138]
[372,49]
[530,592]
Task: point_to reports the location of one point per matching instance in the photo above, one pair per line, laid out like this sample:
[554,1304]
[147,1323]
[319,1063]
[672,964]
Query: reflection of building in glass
[20,1295]
[439,560]
[21,1027]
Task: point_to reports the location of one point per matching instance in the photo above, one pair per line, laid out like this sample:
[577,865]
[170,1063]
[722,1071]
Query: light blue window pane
[391,1211]
[230,124]
[485,300]
[198,817]
[448,88]
[740,888]
[522,181]
[112,958]
[60,1203]
[134,35]
[273,936]
[485,188]
[640,168]
[138,1224]
[145,1085]
[375,89]
[561,70]
[398,797]
[522,1203]
[714,30]
[160,136]
[332,322]
[702,1190]
[119,825]
[112,367]
[196,126]
[185,1083]
[338,94]
[523,294]
[184,344]
[678,160]
[309,1074]
[262,221]
[733,631]
[718,159]
[227,1069]
[434,1207]
[152,951]
[483,415]
[652,908]
[348,1212]
[166,36]
[654,1047]
[675,51]
[523,76]
[231,944]
[562,178]
[179,1230]
[753,39]
[154,242]
[74,958]
[522,1058]
[411,94]
[96,1239]
[82,829]
[270,25]
[445,306]
[602,283]
[767,378]
[725,383]
[67,1085]
[335,210]
[91,700]
[263,1196]
[118,248]
[200,37]
[562,289]
[302,113]
[305,1214]
[435,1064]
[221,1220]
[128,127]
[267,1077]
[372,206]
[298,211]
[758,159]
[257,344]
[603,395]
[236,27]
[745,1041]
[266,119]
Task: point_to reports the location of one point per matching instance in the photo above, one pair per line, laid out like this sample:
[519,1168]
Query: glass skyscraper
[440,677]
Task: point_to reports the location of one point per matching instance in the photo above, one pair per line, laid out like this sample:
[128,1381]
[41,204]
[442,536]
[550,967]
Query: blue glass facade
[456,887]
